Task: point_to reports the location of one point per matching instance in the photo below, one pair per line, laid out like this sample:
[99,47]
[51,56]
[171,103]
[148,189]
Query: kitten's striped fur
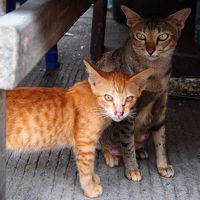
[151,44]
[45,118]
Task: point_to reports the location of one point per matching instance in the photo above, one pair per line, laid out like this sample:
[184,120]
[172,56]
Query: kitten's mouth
[119,118]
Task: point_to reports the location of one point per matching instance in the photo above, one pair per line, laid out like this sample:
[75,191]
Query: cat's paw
[166,171]
[96,178]
[133,174]
[111,160]
[94,190]
[142,154]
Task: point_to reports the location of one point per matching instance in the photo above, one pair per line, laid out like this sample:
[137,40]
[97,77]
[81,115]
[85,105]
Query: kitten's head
[154,38]
[116,92]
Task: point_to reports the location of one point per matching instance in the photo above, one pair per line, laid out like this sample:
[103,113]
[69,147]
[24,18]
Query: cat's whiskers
[104,114]
[132,114]
[100,112]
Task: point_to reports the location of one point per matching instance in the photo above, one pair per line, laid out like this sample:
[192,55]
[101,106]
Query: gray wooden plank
[191,150]
[110,178]
[11,167]
[70,176]
[145,184]
[17,177]
[48,179]
[35,76]
[58,174]
[62,187]
[184,182]
[65,70]
[18,186]
[34,175]
[8,156]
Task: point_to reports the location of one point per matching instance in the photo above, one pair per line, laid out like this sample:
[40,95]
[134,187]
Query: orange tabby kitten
[44,118]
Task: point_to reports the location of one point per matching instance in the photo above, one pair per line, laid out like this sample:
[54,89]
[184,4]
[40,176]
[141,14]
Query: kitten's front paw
[166,171]
[96,178]
[94,191]
[111,160]
[133,174]
[93,188]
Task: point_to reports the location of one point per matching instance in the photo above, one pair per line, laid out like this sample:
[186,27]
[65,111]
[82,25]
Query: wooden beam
[28,32]
[2,147]
[98,29]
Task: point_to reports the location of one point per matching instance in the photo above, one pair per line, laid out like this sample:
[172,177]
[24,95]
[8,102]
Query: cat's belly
[24,141]
[141,140]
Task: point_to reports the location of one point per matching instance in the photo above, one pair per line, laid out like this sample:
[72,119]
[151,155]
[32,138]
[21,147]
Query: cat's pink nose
[119,114]
[150,48]
[150,51]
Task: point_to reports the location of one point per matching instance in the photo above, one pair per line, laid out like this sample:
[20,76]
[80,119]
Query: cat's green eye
[140,36]
[130,98]
[163,37]
[107,97]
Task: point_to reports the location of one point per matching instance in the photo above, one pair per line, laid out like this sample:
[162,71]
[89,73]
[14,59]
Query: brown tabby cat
[45,118]
[151,44]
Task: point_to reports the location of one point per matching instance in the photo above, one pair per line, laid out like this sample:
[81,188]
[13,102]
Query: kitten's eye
[130,98]
[108,97]
[140,36]
[163,36]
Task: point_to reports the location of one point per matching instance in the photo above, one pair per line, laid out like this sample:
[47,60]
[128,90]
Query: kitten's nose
[119,114]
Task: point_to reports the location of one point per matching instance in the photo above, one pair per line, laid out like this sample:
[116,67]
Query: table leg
[98,29]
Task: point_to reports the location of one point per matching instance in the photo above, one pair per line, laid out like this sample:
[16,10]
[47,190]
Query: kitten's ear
[180,16]
[131,16]
[94,76]
[141,78]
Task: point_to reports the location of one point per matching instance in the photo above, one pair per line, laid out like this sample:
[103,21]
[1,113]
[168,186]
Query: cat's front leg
[110,144]
[85,155]
[131,168]
[158,131]
[164,168]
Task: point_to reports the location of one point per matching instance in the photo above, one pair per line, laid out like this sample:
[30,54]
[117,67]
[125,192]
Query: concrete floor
[52,175]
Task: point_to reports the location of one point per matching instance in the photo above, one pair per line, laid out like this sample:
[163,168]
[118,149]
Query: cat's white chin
[152,58]
[117,119]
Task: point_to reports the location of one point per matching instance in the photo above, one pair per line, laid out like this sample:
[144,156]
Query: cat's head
[155,38]
[116,92]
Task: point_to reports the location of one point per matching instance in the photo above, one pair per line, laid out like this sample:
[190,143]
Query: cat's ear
[141,78]
[131,16]
[94,76]
[180,17]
